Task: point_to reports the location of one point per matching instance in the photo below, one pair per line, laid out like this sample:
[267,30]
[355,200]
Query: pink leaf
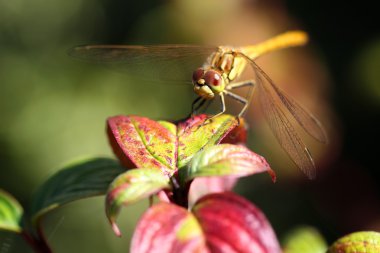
[205,185]
[167,228]
[232,224]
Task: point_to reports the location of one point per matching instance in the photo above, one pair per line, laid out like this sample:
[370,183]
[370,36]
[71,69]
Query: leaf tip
[115,229]
[273,175]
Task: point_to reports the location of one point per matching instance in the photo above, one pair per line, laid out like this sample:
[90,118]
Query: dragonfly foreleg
[195,107]
[207,104]
[223,109]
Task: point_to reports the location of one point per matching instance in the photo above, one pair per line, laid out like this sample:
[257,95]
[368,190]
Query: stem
[39,245]
[180,192]
[35,237]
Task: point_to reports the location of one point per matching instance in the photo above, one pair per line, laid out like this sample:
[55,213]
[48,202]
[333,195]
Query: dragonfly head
[207,83]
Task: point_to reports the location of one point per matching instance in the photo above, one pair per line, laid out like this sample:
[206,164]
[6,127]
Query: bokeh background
[53,108]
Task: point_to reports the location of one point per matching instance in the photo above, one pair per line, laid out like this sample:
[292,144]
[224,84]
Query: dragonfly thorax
[207,83]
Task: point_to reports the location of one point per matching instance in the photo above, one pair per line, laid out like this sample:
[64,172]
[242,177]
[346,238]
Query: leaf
[226,160]
[10,213]
[232,224]
[358,242]
[131,187]
[167,228]
[304,240]
[196,134]
[82,180]
[202,186]
[143,143]
[237,135]
[218,223]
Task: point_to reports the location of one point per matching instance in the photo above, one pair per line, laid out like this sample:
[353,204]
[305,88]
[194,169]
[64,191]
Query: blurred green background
[53,108]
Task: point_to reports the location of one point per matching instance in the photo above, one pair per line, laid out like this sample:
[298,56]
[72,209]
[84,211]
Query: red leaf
[238,135]
[141,142]
[232,224]
[167,228]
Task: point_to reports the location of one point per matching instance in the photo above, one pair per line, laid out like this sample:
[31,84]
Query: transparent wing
[307,120]
[284,131]
[274,103]
[159,63]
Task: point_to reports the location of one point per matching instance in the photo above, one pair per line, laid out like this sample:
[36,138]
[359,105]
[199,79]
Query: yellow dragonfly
[216,77]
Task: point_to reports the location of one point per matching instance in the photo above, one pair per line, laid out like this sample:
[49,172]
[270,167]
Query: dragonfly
[215,72]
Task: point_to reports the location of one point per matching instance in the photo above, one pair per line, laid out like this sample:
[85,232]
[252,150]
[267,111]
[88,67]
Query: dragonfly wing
[274,103]
[159,63]
[307,120]
[284,131]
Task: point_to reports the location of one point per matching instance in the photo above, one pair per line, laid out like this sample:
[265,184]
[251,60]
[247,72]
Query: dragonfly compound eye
[213,78]
[197,75]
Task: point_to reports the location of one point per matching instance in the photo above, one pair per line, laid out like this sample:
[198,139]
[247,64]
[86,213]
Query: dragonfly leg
[194,107]
[207,104]
[223,105]
[240,84]
[240,99]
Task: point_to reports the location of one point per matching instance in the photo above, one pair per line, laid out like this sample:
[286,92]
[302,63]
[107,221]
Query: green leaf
[196,134]
[226,160]
[358,242]
[82,180]
[131,187]
[304,240]
[10,212]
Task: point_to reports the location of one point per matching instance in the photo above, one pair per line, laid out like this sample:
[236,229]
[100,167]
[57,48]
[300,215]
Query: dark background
[349,38]
[54,108]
